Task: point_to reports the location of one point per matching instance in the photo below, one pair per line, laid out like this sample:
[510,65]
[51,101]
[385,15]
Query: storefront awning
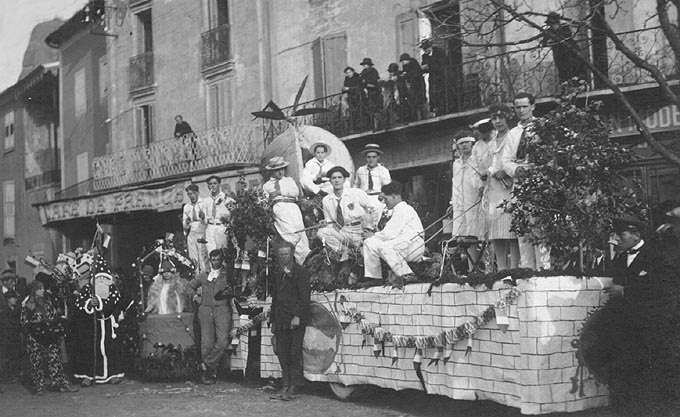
[160,199]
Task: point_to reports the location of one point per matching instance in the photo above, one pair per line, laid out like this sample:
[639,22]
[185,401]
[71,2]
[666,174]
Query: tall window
[8,210]
[218,13]
[8,131]
[79,96]
[219,105]
[144,124]
[144,31]
[330,59]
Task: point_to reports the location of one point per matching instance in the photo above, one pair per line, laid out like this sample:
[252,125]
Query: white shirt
[630,257]
[379,174]
[354,204]
[403,225]
[192,212]
[313,168]
[215,208]
[289,188]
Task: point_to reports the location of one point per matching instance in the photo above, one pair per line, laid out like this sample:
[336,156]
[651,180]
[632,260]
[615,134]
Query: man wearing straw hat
[372,176]
[283,194]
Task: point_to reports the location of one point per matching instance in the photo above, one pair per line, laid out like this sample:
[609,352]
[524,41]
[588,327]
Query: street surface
[236,398]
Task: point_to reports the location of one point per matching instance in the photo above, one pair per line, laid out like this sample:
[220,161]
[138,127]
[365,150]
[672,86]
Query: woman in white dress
[504,241]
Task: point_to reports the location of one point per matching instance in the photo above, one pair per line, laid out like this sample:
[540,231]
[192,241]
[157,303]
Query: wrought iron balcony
[228,147]
[141,71]
[478,82]
[215,46]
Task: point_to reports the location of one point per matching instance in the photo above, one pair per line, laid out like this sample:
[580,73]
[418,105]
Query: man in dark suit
[289,316]
[635,258]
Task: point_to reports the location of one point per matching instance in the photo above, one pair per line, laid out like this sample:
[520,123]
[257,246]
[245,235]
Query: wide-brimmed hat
[275,163]
[366,61]
[629,223]
[372,147]
[324,144]
[404,57]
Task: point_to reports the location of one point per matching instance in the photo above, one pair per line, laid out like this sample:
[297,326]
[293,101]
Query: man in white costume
[372,176]
[347,211]
[193,218]
[217,215]
[515,164]
[399,242]
[283,193]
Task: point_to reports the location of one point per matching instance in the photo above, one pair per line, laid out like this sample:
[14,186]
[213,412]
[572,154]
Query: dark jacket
[645,277]
[220,286]
[290,297]
[369,76]
[182,129]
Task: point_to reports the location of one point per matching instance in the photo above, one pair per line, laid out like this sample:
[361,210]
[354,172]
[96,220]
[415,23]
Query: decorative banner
[162,199]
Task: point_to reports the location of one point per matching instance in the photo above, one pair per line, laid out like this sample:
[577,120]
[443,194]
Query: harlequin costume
[97,358]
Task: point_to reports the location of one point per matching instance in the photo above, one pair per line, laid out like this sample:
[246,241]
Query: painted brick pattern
[528,366]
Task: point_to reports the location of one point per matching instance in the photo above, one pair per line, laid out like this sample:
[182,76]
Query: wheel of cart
[341,391]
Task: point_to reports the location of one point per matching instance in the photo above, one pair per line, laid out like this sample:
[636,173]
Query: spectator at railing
[182,128]
[369,77]
[356,99]
[559,37]
[414,99]
[391,89]
[434,64]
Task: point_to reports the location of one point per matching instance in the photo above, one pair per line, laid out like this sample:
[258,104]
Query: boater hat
[275,163]
[372,147]
[317,144]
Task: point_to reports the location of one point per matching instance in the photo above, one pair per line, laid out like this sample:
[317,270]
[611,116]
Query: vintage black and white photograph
[346,208]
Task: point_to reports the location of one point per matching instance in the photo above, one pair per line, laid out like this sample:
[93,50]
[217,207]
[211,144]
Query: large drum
[322,340]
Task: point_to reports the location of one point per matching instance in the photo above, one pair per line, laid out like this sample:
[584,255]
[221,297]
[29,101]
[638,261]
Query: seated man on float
[346,211]
[283,194]
[399,242]
[315,179]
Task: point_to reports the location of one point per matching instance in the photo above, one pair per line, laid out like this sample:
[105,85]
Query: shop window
[8,211]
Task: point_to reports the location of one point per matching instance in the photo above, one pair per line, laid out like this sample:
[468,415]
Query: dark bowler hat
[404,57]
[372,147]
[339,169]
[629,223]
[553,17]
[367,61]
[393,67]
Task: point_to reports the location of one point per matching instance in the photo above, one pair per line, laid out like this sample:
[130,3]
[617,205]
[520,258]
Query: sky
[17,18]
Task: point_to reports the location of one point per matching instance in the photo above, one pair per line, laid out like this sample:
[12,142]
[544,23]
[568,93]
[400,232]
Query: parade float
[512,337]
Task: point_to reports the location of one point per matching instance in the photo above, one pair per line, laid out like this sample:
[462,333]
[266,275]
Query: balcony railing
[228,147]
[476,83]
[141,71]
[215,47]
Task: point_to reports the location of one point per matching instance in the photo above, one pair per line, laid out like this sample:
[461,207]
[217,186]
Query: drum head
[322,339]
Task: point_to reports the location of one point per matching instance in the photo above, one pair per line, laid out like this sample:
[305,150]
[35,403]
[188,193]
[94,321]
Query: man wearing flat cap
[347,212]
[283,193]
[371,177]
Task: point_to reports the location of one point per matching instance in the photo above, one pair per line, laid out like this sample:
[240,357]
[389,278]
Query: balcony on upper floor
[470,86]
[230,147]
[215,47]
[141,72]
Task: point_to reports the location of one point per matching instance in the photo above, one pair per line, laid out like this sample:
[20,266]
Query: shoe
[207,379]
[68,388]
[116,380]
[86,382]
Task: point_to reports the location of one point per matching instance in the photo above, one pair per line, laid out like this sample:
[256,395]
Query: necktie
[370,180]
[214,209]
[277,186]
[338,214]
[193,213]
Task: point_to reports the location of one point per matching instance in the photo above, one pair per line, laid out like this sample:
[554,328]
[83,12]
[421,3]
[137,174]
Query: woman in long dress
[499,189]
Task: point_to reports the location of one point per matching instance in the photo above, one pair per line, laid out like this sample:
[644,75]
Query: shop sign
[162,199]
[662,120]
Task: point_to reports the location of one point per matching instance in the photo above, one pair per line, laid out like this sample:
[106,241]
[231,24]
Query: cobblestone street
[237,399]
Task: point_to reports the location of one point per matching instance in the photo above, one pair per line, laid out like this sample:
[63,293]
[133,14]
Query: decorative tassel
[245,261]
[468,349]
[417,361]
[437,356]
[376,348]
[448,353]
[395,355]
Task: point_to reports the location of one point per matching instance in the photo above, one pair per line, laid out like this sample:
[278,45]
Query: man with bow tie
[193,217]
[214,313]
[635,259]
